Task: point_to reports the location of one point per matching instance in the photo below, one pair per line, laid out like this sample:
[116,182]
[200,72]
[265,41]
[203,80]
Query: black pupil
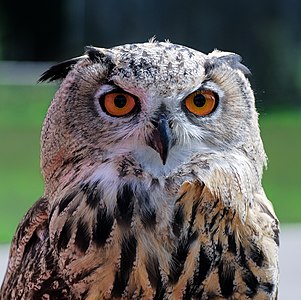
[199,100]
[120,101]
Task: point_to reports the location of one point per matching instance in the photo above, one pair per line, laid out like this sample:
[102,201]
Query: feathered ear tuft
[232,59]
[94,54]
[60,70]
[100,55]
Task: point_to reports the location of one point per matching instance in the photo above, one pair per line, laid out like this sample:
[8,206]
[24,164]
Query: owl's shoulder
[29,240]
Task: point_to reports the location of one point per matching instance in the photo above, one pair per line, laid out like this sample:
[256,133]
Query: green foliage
[24,106]
[22,109]
[281,136]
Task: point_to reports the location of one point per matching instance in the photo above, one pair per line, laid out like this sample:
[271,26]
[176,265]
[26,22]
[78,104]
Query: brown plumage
[152,163]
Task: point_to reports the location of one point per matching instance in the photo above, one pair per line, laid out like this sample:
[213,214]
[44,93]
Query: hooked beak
[159,139]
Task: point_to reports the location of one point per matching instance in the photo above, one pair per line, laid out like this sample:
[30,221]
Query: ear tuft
[100,55]
[94,54]
[60,70]
[232,59]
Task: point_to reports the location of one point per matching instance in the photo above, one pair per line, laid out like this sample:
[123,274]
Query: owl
[152,162]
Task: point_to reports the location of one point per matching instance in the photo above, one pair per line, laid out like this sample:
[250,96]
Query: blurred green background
[266,34]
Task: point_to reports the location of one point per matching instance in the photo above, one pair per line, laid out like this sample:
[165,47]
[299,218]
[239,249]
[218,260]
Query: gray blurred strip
[22,72]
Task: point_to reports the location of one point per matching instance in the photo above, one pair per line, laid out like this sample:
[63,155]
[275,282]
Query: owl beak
[159,139]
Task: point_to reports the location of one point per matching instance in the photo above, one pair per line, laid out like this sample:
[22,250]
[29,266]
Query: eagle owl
[152,163]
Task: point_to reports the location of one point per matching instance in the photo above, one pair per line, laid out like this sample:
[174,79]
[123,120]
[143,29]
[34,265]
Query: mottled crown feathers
[60,70]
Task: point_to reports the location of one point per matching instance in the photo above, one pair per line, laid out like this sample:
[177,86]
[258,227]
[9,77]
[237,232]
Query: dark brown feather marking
[193,215]
[103,226]
[251,281]
[146,211]
[82,237]
[248,277]
[203,268]
[188,292]
[200,293]
[49,260]
[154,276]
[268,287]
[242,257]
[30,247]
[66,200]
[153,271]
[125,205]
[257,255]
[55,287]
[148,218]
[178,221]
[84,295]
[65,235]
[226,279]
[94,194]
[128,255]
[232,243]
[160,292]
[180,255]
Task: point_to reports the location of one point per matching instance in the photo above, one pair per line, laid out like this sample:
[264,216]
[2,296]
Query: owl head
[158,105]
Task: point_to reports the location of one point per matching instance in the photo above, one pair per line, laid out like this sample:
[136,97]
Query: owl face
[159,103]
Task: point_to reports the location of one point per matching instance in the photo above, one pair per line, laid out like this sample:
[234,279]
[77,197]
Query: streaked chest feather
[156,245]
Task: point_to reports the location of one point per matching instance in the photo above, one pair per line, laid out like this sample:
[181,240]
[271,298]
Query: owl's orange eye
[201,103]
[118,104]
